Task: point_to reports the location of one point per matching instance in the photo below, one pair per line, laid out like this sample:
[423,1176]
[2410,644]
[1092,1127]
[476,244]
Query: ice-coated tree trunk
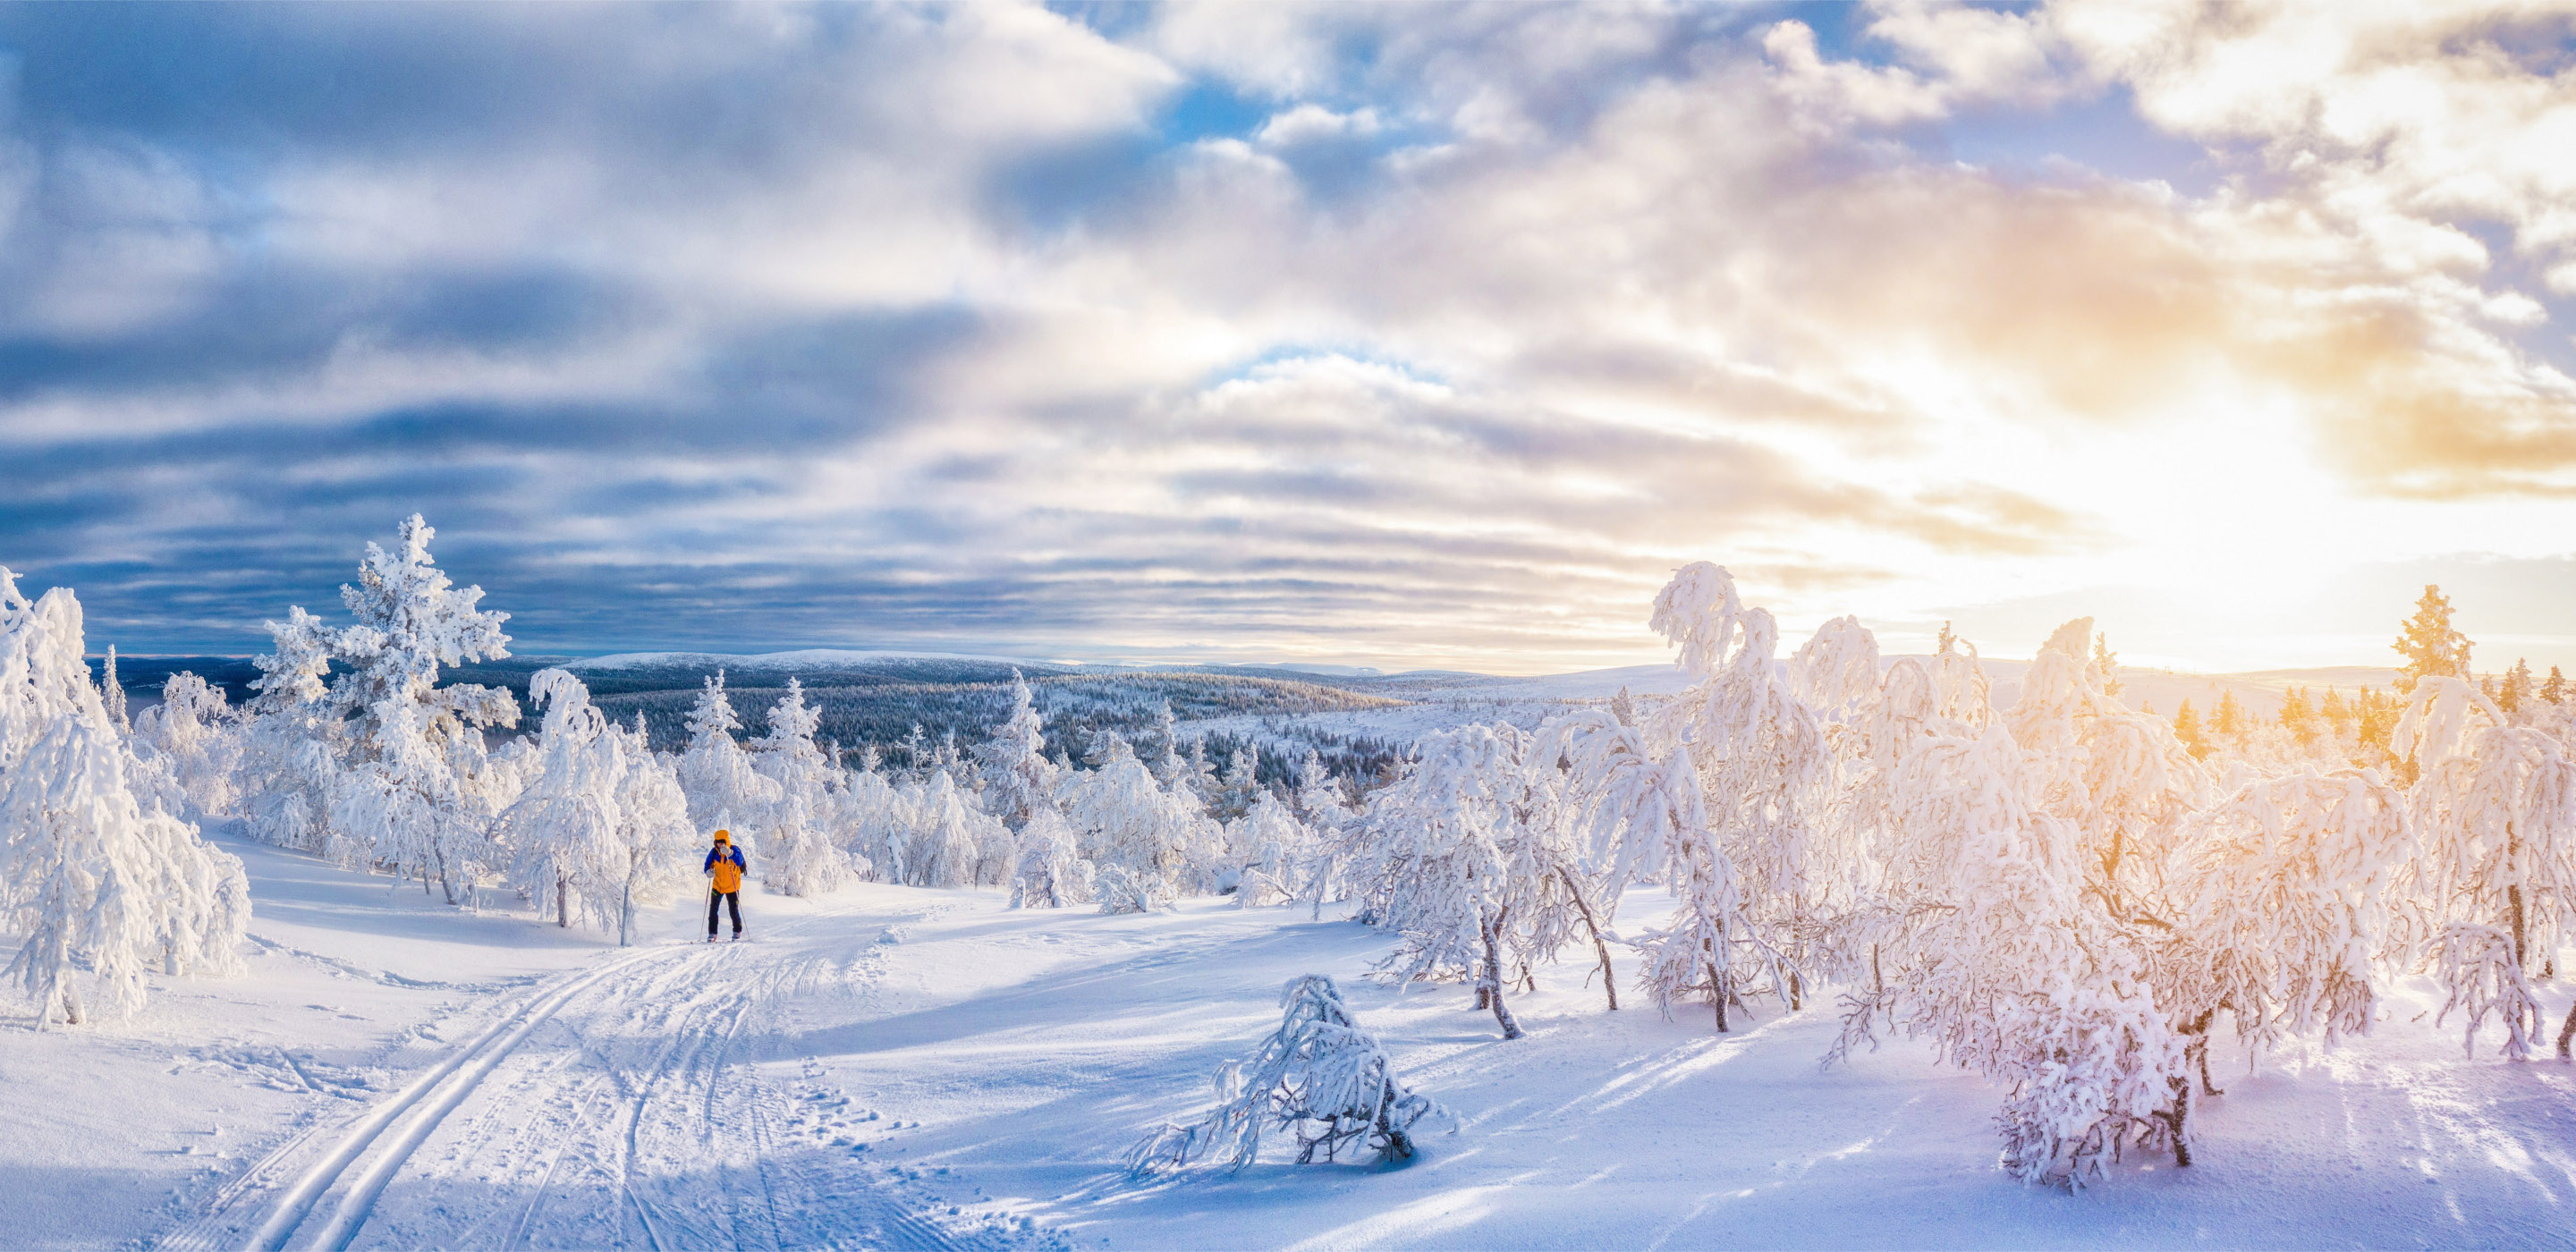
[1491,992]
[563,905]
[2567,1034]
[1609,984]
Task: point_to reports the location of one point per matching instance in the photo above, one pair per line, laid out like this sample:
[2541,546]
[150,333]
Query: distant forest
[950,702]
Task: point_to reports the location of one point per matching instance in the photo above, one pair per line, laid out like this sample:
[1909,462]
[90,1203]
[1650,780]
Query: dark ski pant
[731,899]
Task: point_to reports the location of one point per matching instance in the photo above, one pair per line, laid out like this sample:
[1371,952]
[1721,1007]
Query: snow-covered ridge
[778,660]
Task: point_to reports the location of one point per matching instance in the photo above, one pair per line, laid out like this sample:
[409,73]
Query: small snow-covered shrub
[1122,890]
[1319,1076]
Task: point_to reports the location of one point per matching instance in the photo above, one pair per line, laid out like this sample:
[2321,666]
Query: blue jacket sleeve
[710,866]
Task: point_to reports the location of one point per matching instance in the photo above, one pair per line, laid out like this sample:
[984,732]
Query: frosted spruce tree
[292,739]
[803,858]
[414,788]
[97,888]
[1018,778]
[725,790]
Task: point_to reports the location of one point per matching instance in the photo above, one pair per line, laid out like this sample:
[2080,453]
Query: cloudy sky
[1404,335]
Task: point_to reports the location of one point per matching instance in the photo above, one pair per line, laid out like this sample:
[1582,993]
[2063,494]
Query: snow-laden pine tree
[1018,778]
[602,823]
[97,889]
[1319,1076]
[725,790]
[803,858]
[2491,890]
[1324,810]
[414,788]
[293,740]
[112,689]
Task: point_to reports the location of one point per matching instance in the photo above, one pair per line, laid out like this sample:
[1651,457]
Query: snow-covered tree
[1121,889]
[1125,821]
[949,842]
[96,887]
[1324,811]
[193,734]
[2491,891]
[1837,669]
[1241,785]
[410,784]
[1046,872]
[602,823]
[803,858]
[1269,847]
[2002,960]
[1018,778]
[1319,1076]
[113,689]
[725,790]
[1741,873]
[293,739]
[2281,894]
[1459,862]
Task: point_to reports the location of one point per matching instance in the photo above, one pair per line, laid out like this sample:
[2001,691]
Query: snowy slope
[895,1067]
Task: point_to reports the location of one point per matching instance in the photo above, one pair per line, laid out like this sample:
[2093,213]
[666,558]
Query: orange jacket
[725,862]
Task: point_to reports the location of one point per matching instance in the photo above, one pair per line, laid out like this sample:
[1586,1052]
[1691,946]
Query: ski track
[614,1106]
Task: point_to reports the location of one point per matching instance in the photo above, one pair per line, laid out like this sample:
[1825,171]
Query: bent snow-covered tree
[1319,1076]
[96,886]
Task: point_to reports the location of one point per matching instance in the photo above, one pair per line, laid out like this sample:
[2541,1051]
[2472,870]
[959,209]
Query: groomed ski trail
[614,1106]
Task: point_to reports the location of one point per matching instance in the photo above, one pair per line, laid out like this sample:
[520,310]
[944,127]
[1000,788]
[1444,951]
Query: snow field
[1034,1047]
[896,1067]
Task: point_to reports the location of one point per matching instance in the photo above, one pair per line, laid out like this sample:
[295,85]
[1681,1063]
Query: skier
[724,870]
